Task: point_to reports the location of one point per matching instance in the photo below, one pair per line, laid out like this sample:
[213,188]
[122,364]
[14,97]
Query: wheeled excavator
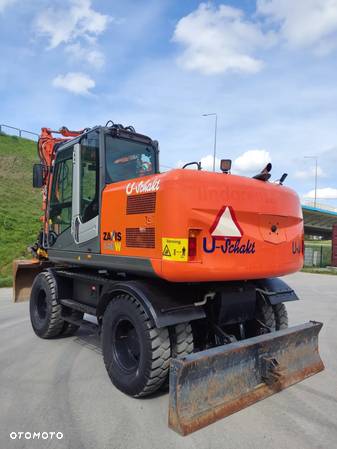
[181,270]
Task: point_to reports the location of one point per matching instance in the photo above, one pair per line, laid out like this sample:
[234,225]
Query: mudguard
[275,291]
[166,304]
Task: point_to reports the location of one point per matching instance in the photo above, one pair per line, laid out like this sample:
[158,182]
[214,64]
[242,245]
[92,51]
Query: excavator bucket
[24,272]
[217,382]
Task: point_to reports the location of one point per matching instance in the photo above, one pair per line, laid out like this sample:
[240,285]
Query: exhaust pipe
[212,384]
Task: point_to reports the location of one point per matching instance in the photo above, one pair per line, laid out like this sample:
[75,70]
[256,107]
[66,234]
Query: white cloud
[303,23]
[75,82]
[207,163]
[92,56]
[217,40]
[251,161]
[327,193]
[79,20]
[5,4]
[305,174]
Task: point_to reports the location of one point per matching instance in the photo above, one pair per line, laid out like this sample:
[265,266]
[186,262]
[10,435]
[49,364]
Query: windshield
[126,159]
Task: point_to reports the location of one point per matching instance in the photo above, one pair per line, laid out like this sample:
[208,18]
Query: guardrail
[20,131]
[320,205]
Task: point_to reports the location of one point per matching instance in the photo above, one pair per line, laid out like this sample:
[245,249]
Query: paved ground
[62,386]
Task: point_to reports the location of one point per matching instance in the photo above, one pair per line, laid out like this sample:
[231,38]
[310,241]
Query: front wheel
[136,354]
[45,311]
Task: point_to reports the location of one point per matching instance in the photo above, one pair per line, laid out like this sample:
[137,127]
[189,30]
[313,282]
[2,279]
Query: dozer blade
[215,383]
[24,272]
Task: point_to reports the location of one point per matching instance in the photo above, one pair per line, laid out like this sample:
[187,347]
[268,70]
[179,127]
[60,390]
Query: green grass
[318,243]
[20,204]
[323,249]
[319,270]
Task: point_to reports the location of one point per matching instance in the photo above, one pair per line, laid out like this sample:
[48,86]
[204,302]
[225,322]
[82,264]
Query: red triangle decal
[226,225]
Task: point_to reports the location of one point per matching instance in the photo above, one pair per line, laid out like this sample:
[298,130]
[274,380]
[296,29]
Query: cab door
[86,191]
[60,206]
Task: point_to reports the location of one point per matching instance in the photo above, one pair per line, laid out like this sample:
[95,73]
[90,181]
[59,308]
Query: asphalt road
[61,386]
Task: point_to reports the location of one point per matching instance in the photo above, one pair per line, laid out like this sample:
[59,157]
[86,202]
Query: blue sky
[267,67]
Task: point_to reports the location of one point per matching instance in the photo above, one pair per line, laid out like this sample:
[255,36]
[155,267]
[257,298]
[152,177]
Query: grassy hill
[20,204]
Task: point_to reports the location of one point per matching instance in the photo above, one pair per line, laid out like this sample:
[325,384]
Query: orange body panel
[268,217]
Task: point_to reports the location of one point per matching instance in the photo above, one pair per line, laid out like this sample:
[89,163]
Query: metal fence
[317,255]
[16,131]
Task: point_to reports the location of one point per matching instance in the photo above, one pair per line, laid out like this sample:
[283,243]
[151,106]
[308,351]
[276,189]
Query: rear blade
[215,383]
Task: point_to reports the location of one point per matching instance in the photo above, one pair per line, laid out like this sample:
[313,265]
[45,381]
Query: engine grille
[140,237]
[141,204]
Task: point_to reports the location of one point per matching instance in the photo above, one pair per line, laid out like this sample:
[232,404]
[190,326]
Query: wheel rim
[41,305]
[125,345]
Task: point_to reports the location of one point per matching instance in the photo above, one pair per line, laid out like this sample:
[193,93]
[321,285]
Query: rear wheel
[182,343]
[181,340]
[264,320]
[281,316]
[265,315]
[45,311]
[136,354]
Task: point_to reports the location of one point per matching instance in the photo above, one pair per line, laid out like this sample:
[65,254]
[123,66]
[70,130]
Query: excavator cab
[82,166]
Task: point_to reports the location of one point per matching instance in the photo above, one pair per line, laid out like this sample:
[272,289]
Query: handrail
[20,131]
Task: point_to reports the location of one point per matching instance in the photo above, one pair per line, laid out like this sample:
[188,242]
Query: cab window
[89,180]
[126,159]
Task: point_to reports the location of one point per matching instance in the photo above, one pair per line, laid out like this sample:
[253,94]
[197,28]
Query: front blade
[24,272]
[215,383]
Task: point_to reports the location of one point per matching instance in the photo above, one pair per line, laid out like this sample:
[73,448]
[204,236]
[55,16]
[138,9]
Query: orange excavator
[181,270]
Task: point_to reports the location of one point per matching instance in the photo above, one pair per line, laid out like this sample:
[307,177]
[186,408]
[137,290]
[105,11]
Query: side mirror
[38,175]
[225,165]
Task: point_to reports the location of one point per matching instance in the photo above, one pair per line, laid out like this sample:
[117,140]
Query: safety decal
[175,249]
[226,235]
[226,225]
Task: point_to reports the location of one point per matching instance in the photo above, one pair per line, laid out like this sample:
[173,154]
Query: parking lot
[62,386]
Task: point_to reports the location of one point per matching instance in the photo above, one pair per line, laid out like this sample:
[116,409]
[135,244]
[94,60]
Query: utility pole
[215,134]
[316,175]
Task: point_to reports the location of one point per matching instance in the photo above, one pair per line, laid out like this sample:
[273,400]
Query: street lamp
[215,132]
[316,170]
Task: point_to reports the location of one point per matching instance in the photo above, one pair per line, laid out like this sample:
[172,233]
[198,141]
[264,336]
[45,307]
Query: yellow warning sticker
[175,249]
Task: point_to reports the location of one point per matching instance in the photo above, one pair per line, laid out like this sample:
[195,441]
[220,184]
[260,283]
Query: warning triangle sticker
[167,251]
[226,225]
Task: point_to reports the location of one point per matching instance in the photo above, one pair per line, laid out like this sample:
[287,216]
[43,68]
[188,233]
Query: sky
[267,68]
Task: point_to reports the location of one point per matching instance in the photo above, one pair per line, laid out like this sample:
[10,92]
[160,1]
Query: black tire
[70,329]
[281,316]
[136,354]
[265,314]
[264,319]
[182,343]
[45,311]
[181,340]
